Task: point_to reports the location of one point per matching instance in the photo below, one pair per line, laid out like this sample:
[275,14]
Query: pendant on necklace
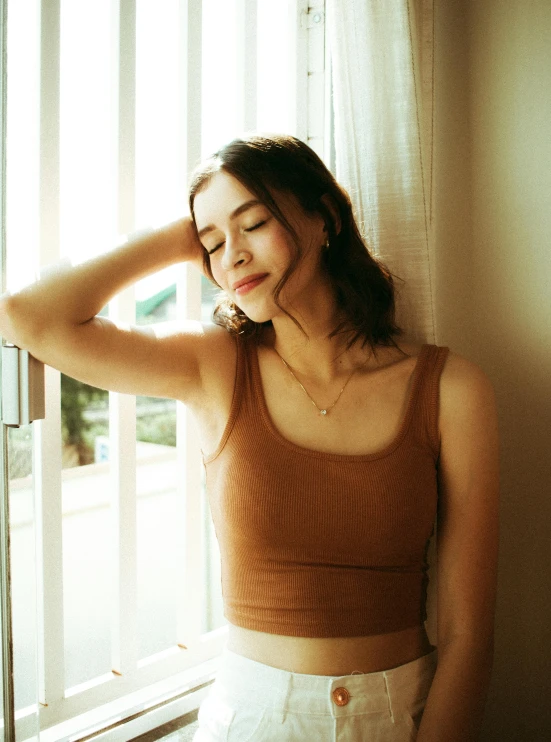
[323,412]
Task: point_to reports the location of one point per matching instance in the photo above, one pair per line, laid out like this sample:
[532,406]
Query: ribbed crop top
[324,545]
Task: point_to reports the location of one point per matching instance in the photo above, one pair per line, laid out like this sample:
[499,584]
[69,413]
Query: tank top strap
[244,402]
[249,374]
[427,396]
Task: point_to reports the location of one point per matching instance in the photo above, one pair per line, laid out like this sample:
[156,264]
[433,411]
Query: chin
[257,315]
[259,311]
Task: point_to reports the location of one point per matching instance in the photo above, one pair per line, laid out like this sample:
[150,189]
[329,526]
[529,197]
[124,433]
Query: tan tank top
[324,545]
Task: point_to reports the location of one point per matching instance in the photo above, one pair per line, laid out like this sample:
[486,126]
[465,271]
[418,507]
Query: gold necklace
[326,409]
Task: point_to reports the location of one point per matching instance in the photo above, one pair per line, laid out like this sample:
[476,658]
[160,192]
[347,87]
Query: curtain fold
[382,55]
[382,61]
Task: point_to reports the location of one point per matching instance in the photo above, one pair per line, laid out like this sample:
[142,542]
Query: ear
[329,202]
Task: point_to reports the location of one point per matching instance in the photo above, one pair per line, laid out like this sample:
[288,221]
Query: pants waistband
[399,688]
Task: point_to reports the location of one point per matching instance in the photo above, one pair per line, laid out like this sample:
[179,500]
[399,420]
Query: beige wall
[492,262]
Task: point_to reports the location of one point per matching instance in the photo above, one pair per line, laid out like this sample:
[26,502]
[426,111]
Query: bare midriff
[336,656]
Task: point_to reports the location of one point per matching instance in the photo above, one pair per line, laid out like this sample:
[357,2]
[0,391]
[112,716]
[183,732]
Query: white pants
[252,701]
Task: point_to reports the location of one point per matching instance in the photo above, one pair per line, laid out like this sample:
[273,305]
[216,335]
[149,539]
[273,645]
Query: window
[110,105]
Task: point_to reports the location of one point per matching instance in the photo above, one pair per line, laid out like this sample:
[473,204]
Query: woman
[329,447]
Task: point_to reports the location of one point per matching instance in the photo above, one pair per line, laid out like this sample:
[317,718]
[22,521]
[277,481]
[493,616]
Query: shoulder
[459,378]
[218,339]
[218,349]
[463,381]
[467,398]
[209,344]
[466,393]
[217,364]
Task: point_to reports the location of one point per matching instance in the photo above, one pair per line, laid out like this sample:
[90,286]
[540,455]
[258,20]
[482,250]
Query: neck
[315,356]
[312,353]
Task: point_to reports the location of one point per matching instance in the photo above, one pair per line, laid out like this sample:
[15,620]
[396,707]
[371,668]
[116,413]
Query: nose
[234,254]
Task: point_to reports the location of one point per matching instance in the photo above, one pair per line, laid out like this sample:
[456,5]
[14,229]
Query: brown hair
[363,286]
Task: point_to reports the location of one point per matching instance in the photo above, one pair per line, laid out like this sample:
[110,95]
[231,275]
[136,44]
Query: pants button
[341,696]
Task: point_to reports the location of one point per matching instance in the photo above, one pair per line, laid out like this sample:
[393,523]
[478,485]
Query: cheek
[282,255]
[217,272]
[278,249]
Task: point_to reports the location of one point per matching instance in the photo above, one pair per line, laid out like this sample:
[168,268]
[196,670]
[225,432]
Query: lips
[248,283]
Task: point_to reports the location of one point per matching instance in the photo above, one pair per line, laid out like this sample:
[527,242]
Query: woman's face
[245,241]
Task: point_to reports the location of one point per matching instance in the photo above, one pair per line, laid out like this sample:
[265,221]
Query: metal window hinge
[22,387]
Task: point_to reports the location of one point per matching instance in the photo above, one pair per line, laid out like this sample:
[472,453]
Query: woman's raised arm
[56,319]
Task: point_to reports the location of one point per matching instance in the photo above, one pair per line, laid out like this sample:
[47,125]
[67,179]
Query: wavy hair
[363,286]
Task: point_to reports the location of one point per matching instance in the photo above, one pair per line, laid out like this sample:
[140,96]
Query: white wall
[493,304]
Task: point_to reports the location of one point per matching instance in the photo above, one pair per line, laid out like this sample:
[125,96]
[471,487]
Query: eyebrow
[235,213]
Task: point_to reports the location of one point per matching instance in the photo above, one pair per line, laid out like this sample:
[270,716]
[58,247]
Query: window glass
[276,67]
[220,116]
[23,565]
[89,190]
[158,199]
[22,250]
[87,226]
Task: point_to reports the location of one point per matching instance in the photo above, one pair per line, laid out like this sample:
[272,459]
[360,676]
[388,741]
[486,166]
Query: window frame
[139,696]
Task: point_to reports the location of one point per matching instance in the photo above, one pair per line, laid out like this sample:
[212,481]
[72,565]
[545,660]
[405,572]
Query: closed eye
[256,226]
[249,229]
[214,249]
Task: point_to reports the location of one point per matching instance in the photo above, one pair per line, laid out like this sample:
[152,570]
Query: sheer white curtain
[382,58]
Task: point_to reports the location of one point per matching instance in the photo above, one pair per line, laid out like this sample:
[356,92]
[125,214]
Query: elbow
[17,323]
[8,315]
